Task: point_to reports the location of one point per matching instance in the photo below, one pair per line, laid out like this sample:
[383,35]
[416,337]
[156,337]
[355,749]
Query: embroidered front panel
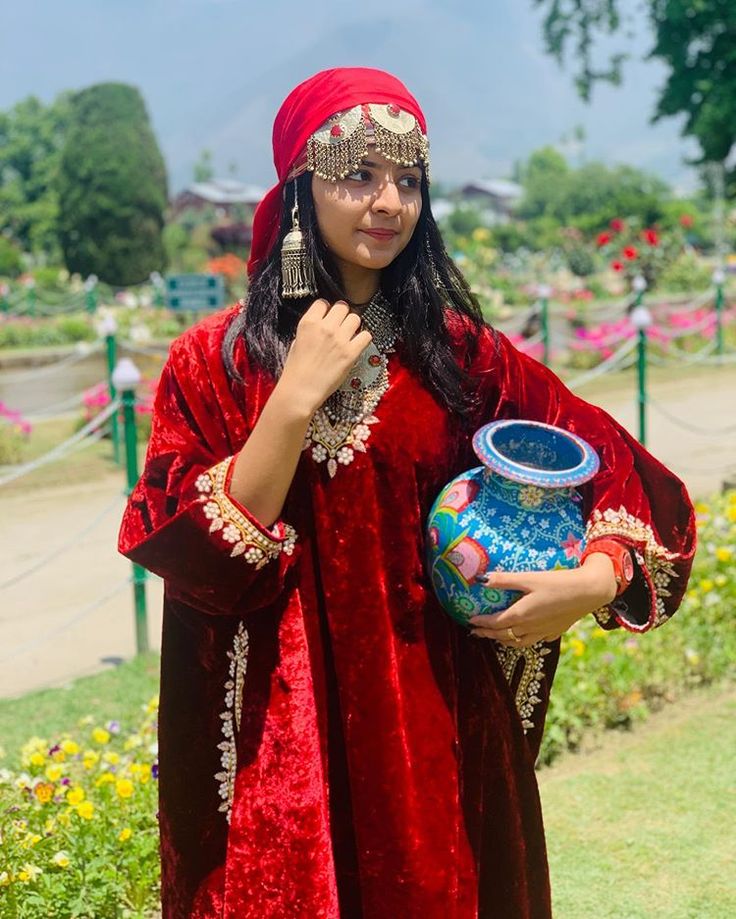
[256,547]
[530,682]
[648,552]
[230,718]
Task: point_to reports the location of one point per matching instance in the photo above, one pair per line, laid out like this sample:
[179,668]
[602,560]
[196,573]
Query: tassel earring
[297,271]
[434,272]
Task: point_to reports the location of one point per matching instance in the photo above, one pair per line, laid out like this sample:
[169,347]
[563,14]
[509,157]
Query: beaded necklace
[342,425]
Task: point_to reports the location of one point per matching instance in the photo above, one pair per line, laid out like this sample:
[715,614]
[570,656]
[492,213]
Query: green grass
[640,828]
[643,828]
[116,694]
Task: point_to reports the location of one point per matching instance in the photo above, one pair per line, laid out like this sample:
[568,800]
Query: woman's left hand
[552,602]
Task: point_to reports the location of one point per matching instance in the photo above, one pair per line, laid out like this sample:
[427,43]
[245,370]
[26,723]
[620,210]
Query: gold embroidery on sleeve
[230,718]
[655,557]
[256,547]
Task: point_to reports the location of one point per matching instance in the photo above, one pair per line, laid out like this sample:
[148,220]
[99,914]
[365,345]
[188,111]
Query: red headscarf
[304,110]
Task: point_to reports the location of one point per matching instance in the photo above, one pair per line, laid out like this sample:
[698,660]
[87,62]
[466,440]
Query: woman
[331,743]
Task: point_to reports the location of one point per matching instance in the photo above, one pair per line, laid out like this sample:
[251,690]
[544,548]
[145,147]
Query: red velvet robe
[331,743]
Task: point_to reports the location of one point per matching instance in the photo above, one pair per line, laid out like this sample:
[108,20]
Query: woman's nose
[388,198]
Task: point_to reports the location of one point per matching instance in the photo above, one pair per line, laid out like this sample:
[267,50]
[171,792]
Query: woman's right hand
[328,342]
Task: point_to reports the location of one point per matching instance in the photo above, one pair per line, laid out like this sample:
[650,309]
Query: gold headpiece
[337,148]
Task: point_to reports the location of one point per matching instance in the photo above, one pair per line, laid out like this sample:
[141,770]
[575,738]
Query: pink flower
[573,547]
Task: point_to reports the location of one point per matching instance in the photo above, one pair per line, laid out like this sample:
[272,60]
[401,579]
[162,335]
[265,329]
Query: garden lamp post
[125,378]
[641,319]
[107,329]
[545,292]
[719,279]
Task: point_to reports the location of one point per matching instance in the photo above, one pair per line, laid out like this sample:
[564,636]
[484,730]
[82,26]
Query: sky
[213,73]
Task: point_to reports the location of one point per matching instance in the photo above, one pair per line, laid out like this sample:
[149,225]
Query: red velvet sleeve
[181,521]
[633,498]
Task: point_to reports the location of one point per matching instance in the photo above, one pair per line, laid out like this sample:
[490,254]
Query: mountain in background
[213,73]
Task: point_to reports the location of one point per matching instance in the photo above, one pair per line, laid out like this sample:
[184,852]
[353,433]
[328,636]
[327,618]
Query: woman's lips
[383,235]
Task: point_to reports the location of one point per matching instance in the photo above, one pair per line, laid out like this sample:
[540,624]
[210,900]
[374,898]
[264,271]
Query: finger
[351,323]
[360,342]
[337,313]
[508,580]
[500,622]
[318,309]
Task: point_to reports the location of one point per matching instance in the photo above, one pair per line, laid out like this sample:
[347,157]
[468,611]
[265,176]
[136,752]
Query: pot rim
[488,453]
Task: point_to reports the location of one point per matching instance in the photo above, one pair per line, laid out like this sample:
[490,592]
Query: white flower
[319,454]
[211,510]
[345,455]
[231,533]
[254,554]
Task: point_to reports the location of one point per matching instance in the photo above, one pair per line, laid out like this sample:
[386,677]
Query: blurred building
[229,197]
[496,197]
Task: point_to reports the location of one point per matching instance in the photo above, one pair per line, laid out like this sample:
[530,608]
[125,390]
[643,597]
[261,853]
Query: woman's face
[367,218]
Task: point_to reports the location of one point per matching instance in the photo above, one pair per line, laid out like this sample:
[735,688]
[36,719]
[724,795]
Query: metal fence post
[641,319]
[125,378]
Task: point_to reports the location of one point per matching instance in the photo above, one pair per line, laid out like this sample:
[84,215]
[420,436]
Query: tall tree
[112,188]
[31,139]
[696,40]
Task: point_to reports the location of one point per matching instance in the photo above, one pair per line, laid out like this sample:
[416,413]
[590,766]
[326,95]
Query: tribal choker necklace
[342,425]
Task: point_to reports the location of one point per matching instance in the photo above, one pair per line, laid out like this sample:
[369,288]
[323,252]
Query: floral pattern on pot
[485,520]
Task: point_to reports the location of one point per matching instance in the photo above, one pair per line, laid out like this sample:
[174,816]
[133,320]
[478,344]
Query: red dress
[331,743]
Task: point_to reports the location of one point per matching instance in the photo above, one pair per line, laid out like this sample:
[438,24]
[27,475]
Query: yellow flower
[49,826]
[61,859]
[64,818]
[124,788]
[724,554]
[125,834]
[37,759]
[44,792]
[706,585]
[152,705]
[86,809]
[731,512]
[101,736]
[29,873]
[481,234]
[83,722]
[692,657]
[721,580]
[135,740]
[598,632]
[90,759]
[30,841]
[701,508]
[5,878]
[75,795]
[58,756]
[70,747]
[104,778]
[578,647]
[54,772]
[111,757]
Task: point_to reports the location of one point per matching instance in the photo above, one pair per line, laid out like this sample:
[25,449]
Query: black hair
[422,285]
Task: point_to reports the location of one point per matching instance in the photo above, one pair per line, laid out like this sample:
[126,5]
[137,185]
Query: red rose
[617,225]
[687,220]
[603,239]
[651,236]
[630,252]
[617,266]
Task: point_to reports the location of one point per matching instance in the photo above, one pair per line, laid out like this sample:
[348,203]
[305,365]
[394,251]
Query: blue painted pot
[519,511]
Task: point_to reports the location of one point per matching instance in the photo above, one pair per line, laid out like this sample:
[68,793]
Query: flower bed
[78,823]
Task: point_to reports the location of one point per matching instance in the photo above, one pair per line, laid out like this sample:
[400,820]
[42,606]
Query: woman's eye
[360,175]
[412,181]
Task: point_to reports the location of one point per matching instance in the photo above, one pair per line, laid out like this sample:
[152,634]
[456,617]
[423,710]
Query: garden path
[49,634]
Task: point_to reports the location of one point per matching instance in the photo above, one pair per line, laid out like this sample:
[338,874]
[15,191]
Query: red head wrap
[304,110]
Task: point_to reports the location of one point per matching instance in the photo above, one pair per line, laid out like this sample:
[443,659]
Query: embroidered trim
[651,556]
[530,683]
[232,713]
[247,540]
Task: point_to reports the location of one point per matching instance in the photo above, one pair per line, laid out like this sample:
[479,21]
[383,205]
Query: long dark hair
[423,286]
